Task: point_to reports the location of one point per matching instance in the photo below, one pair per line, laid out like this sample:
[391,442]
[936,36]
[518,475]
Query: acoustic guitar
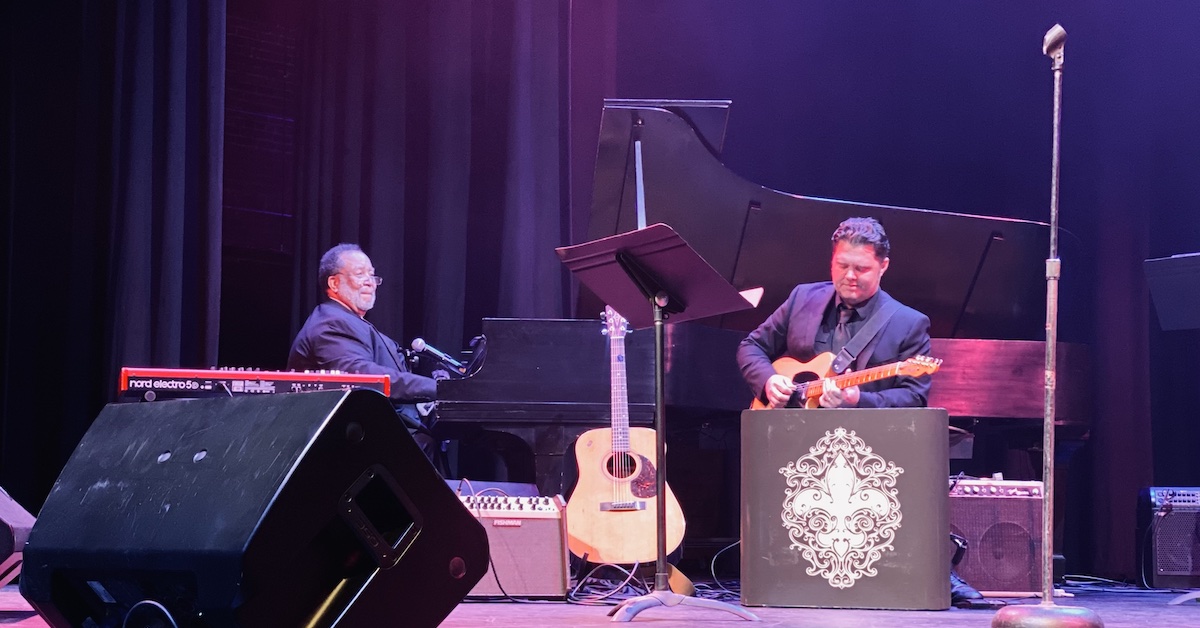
[612,515]
[810,376]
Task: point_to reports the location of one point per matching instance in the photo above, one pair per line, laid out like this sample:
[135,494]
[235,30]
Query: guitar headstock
[919,365]
[614,324]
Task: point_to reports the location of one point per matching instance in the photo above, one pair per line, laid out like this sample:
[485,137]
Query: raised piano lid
[974,276]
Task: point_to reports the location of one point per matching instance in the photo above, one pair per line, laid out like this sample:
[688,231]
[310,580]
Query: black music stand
[1175,288]
[626,271]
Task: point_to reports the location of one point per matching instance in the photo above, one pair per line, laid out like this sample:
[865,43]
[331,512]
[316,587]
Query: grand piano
[980,280]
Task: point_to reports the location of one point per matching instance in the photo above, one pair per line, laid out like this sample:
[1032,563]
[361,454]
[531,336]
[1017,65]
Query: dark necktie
[841,333]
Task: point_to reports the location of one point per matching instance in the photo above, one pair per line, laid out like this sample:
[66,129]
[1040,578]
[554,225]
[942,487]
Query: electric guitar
[810,376]
[612,515]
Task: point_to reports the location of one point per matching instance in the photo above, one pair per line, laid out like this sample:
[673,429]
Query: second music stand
[648,275]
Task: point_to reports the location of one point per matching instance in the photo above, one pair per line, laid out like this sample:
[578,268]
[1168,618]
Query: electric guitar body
[809,377]
[612,514]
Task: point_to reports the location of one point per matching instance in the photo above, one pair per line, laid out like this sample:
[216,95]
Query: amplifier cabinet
[527,536]
[1169,536]
[1002,523]
[845,508]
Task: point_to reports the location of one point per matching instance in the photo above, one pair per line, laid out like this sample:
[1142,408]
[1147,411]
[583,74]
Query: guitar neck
[620,397]
[854,379]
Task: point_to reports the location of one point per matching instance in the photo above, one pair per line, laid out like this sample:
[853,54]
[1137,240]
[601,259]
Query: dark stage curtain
[432,134]
[111,213]
[439,135]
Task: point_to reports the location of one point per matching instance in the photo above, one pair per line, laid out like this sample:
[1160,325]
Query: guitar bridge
[621,506]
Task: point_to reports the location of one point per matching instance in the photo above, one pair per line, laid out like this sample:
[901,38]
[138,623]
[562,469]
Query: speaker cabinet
[527,537]
[879,471]
[1002,522]
[16,522]
[313,509]
[1169,536]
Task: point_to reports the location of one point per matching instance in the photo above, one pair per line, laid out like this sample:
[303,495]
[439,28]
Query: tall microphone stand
[1047,614]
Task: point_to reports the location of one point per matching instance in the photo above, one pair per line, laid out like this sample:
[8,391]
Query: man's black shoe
[962,594]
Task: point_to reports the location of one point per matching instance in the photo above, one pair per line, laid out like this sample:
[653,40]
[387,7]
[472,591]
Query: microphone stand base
[627,610]
[1045,615]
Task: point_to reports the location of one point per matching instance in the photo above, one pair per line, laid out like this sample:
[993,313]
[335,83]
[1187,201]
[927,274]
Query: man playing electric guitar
[809,323]
[824,317]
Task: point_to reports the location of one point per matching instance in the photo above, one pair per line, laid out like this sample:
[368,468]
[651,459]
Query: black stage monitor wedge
[306,509]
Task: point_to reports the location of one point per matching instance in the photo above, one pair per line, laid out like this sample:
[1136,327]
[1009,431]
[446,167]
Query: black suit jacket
[334,338]
[792,329]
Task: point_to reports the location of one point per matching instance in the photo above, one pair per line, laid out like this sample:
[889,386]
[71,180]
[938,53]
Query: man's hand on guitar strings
[834,397]
[778,390]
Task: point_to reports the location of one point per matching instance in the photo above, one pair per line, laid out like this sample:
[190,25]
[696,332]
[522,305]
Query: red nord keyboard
[150,383]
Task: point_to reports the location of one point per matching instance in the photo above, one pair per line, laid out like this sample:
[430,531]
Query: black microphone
[418,345]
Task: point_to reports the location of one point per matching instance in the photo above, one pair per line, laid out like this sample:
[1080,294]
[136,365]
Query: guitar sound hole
[622,465]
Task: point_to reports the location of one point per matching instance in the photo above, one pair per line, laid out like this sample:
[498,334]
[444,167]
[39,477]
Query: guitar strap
[850,352]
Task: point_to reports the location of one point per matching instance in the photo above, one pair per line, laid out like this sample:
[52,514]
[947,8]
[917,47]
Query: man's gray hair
[331,262]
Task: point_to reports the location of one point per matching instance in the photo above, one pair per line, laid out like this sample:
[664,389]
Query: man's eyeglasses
[361,278]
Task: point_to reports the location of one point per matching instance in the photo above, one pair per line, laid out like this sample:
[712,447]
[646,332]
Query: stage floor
[1117,608]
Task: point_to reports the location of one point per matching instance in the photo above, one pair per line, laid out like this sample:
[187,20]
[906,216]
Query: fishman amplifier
[527,536]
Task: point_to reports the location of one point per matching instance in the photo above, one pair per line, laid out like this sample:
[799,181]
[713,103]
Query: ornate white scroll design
[840,508]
